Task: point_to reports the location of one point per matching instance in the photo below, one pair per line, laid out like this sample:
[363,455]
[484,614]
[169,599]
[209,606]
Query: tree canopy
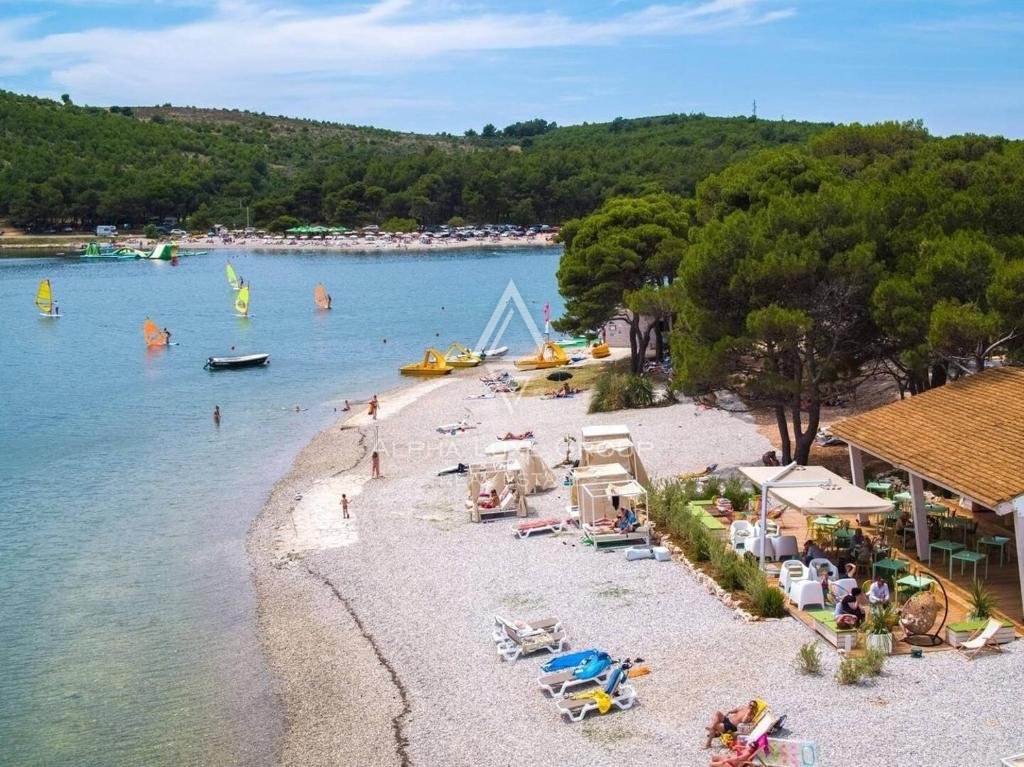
[873,248]
[617,260]
[61,163]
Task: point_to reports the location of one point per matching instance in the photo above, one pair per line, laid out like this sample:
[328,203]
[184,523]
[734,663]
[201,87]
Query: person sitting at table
[848,612]
[904,522]
[878,594]
[856,540]
[813,551]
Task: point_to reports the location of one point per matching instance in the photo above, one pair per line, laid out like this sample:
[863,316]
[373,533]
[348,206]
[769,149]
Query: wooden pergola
[966,437]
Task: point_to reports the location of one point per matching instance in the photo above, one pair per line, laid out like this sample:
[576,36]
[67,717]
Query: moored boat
[433,364]
[576,342]
[549,355]
[496,351]
[237,361]
[458,356]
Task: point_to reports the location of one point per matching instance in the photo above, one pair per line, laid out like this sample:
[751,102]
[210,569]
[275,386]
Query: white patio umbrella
[814,490]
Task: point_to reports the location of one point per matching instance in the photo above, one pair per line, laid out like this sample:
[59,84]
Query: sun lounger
[594,670]
[983,640]
[526,529]
[516,638]
[615,694]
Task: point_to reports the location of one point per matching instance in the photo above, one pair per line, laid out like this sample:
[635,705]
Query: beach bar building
[967,438]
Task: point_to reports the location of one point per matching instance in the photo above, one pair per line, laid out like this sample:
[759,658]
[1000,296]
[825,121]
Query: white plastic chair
[754,547]
[739,533]
[790,573]
[785,547]
[843,586]
[815,564]
[803,593]
[772,528]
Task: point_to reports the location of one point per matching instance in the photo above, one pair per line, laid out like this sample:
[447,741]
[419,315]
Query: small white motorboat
[497,351]
[240,361]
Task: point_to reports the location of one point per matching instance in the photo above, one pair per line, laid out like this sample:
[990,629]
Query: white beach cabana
[522,452]
[620,450]
[586,475]
[599,432]
[814,490]
[596,499]
[506,479]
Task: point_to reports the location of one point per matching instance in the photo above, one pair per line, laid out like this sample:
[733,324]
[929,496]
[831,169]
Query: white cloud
[245,47]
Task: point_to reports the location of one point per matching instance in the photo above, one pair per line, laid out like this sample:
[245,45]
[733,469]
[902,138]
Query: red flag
[547,312]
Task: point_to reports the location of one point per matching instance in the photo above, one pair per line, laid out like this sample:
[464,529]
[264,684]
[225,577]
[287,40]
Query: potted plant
[981,601]
[878,627]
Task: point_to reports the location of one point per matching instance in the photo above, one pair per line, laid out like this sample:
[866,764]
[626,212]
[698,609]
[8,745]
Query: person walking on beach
[216,415]
[375,465]
[344,506]
[374,404]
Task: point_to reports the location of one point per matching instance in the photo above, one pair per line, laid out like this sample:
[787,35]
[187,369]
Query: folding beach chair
[982,640]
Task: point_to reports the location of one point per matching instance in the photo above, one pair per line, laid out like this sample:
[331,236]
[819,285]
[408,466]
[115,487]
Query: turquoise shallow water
[127,634]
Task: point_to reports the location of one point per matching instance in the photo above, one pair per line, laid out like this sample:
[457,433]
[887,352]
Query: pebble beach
[377,628]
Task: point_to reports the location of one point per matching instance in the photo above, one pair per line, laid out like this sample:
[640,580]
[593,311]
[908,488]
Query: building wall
[616,333]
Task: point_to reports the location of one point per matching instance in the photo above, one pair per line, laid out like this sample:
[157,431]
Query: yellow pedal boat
[550,355]
[433,364]
[598,351]
[458,356]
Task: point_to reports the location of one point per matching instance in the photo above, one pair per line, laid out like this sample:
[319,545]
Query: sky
[452,65]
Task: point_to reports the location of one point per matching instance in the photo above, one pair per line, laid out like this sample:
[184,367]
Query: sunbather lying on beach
[730,720]
[528,434]
[492,501]
[740,755]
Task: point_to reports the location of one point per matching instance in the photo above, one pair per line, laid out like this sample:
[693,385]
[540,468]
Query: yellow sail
[44,297]
[154,335]
[320,297]
[242,301]
[232,276]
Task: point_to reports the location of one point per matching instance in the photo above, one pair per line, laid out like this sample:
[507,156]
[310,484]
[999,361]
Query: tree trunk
[634,342]
[659,340]
[805,438]
[783,424]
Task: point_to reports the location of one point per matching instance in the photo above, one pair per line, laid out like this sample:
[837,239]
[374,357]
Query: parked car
[177,232]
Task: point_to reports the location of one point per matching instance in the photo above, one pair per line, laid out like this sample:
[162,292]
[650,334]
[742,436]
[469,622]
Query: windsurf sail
[320,297]
[232,276]
[44,297]
[242,301]
[154,335]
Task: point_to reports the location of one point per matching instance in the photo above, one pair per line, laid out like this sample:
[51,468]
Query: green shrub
[850,670]
[766,600]
[617,391]
[873,662]
[638,391]
[808,659]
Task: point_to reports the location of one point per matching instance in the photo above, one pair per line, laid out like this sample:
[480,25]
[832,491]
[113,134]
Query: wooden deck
[1002,580]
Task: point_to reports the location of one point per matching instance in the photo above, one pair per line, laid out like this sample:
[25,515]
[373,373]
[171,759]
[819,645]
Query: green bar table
[968,556]
[995,540]
[949,547]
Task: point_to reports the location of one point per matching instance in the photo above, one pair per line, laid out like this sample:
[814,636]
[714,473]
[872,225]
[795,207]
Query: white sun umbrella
[814,490]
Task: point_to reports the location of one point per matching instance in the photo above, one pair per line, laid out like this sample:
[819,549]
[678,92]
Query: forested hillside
[65,165]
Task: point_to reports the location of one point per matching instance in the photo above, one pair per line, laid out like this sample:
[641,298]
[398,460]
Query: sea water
[127,615]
